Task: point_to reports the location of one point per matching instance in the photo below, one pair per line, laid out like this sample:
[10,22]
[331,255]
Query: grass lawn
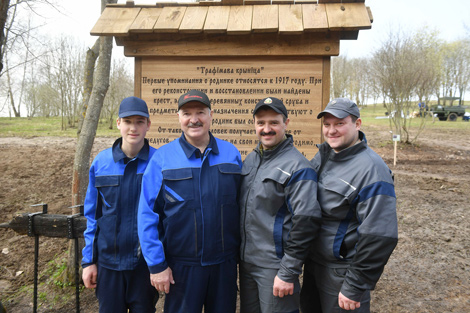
[42,126]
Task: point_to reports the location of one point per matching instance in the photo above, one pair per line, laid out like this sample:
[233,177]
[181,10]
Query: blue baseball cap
[133,106]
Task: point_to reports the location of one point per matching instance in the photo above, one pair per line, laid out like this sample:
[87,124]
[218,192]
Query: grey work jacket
[279,212]
[359,222]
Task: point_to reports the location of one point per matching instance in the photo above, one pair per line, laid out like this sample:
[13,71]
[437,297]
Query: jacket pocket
[181,234]
[338,186]
[229,178]
[336,197]
[108,188]
[107,238]
[178,185]
[277,175]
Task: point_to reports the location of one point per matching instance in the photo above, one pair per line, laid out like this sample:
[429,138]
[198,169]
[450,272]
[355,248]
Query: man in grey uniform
[359,223]
[279,217]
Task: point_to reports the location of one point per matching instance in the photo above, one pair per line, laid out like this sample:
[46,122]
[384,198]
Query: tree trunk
[81,162]
[4,5]
[91,56]
[12,99]
[85,140]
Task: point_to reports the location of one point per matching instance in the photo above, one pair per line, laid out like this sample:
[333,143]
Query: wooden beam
[48,225]
[272,44]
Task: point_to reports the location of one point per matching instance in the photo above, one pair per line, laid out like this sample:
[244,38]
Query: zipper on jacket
[115,246]
[195,232]
[246,200]
[222,227]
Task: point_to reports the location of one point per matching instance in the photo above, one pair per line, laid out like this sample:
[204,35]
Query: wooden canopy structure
[237,52]
[130,23]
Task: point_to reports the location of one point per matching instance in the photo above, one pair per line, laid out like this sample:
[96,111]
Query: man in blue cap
[112,259]
[359,222]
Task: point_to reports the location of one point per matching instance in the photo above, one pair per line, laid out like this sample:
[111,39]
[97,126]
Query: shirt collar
[189,149]
[262,149]
[118,154]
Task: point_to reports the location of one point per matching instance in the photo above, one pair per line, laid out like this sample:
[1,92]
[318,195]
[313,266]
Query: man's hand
[161,281]
[281,288]
[89,276]
[346,303]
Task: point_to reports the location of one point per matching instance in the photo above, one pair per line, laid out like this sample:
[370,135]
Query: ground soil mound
[429,270]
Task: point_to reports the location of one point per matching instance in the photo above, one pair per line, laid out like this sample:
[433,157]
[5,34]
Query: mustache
[197,124]
[271,133]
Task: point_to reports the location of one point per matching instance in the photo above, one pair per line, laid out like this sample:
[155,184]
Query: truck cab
[448,108]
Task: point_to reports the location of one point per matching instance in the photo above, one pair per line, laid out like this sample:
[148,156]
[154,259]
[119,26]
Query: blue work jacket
[111,206]
[188,210]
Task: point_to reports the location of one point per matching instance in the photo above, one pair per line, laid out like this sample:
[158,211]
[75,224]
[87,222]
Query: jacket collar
[346,153]
[272,152]
[189,149]
[119,155]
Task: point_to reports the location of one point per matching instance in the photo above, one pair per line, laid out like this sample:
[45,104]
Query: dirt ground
[429,270]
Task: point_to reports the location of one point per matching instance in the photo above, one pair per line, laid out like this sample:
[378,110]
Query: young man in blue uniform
[188,215]
[112,260]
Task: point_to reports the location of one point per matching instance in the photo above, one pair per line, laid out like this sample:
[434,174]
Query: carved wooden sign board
[237,55]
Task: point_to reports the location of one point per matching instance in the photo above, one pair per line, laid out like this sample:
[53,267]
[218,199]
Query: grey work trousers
[256,291]
[321,287]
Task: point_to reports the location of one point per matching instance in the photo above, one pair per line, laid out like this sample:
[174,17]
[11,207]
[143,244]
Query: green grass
[369,116]
[42,126]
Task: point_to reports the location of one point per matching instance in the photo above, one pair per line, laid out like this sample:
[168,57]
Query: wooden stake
[395,153]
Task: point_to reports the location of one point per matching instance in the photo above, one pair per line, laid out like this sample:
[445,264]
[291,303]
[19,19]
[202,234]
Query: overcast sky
[451,18]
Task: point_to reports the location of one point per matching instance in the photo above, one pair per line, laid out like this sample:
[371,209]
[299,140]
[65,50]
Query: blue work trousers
[213,287]
[120,291]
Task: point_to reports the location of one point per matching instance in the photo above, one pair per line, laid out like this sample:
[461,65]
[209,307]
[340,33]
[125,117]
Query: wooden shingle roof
[282,17]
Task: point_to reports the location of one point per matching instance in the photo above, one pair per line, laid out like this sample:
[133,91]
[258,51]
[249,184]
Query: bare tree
[340,73]
[68,70]
[91,56]
[358,80]
[428,49]
[121,86]
[395,68]
[18,47]
[81,163]
[10,96]
[4,6]
[462,63]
